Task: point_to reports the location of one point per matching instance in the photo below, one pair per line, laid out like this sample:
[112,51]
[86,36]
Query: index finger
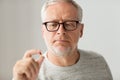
[29,53]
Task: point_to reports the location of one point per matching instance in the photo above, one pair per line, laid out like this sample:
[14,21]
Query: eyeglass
[52,26]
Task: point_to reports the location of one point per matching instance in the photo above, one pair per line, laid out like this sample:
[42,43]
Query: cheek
[75,37]
[45,33]
[48,37]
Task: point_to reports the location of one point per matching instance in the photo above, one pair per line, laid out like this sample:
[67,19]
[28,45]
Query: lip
[62,41]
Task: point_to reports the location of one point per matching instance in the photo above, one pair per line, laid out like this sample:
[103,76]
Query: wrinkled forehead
[60,11]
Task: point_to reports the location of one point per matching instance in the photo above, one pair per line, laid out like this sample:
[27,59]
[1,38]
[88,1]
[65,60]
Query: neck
[64,60]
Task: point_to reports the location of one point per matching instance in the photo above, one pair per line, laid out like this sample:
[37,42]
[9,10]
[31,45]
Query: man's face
[61,42]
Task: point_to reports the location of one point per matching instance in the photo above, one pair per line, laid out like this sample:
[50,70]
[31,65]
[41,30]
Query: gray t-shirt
[91,66]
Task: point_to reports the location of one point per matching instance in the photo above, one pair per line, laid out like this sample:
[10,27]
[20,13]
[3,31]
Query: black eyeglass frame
[63,23]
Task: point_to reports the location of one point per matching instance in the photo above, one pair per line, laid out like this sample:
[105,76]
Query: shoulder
[90,54]
[92,57]
[96,62]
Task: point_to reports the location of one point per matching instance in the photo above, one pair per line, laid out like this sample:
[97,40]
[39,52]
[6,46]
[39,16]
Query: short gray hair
[50,2]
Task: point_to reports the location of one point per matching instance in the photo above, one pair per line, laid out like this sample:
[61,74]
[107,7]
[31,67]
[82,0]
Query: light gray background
[20,30]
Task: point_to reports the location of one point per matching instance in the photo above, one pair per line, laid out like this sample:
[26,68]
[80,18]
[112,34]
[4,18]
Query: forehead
[60,11]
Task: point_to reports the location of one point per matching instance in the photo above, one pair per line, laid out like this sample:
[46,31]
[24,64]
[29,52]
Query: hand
[27,68]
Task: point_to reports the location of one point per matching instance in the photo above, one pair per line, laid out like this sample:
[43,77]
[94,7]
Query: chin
[61,51]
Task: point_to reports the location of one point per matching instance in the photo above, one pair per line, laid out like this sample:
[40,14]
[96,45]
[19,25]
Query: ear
[81,29]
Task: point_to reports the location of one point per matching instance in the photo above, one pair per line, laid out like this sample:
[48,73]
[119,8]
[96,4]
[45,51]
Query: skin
[62,45]
[27,68]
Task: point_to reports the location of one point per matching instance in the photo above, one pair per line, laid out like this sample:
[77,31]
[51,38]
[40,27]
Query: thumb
[40,60]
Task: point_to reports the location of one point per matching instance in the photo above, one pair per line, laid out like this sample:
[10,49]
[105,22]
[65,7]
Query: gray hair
[50,2]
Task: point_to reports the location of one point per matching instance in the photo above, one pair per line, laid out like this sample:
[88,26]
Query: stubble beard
[61,52]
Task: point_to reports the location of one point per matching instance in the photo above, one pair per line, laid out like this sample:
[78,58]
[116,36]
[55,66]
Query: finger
[29,70]
[27,73]
[31,52]
[35,66]
[40,60]
[23,71]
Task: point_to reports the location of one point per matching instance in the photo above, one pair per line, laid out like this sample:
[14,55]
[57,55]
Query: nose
[61,30]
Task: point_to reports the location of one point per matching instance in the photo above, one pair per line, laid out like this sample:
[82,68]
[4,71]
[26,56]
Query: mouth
[61,41]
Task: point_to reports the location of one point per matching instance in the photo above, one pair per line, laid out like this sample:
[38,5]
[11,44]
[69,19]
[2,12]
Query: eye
[52,25]
[70,24]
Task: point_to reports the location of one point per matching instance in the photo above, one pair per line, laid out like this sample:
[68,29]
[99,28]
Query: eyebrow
[62,20]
